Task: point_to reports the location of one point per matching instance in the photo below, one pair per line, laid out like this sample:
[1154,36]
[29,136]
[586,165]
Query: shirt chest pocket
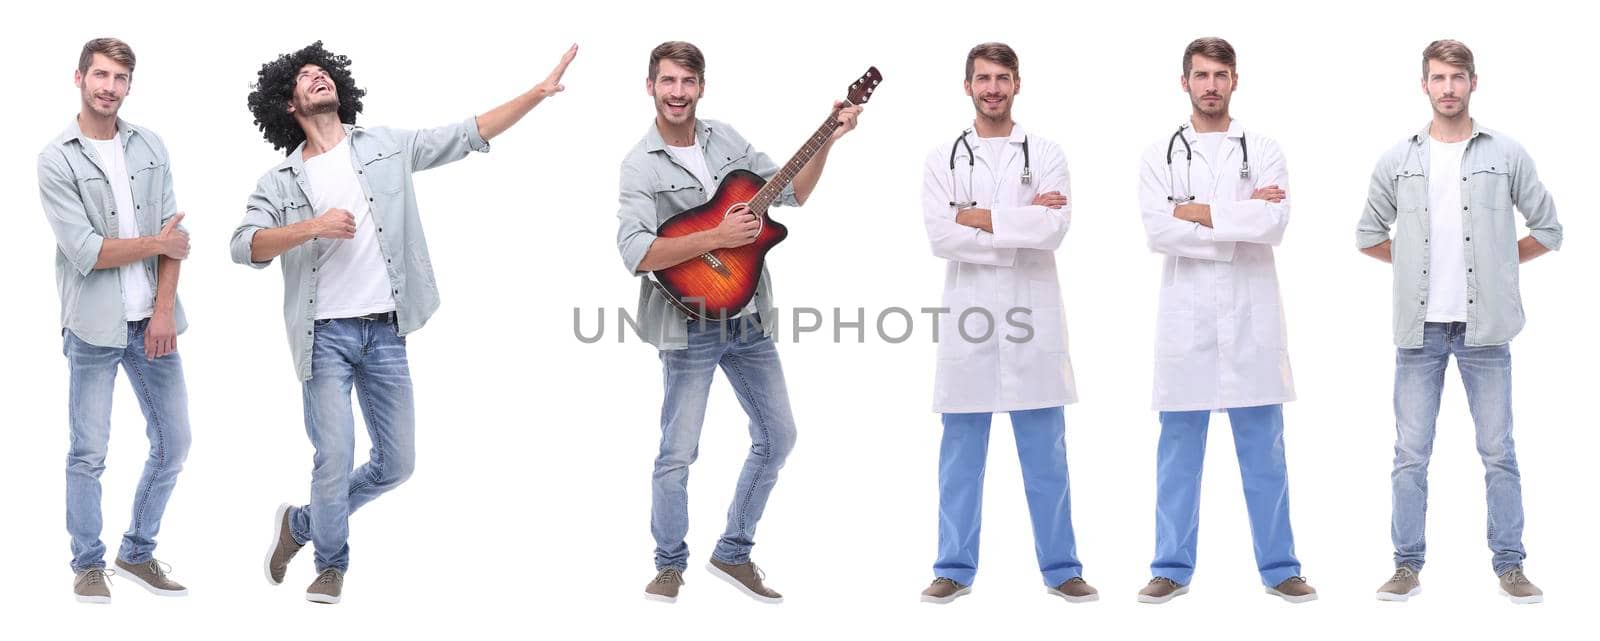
[1410,189]
[98,202]
[149,185]
[295,210]
[674,194]
[1491,184]
[385,171]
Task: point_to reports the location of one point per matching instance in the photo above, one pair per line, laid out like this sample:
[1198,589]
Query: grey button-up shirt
[82,209]
[656,187]
[384,160]
[1496,175]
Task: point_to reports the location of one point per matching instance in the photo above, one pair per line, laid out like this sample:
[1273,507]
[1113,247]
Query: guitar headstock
[861,90]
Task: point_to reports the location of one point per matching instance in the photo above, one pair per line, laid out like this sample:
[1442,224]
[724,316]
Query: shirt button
[1463,179]
[397,292]
[1469,270]
[369,199]
[1469,239]
[381,229]
[1463,208]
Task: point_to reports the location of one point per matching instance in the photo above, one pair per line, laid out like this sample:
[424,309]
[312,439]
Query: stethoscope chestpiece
[1027,176]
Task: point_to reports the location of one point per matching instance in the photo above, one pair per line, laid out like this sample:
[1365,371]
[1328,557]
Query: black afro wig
[275,87]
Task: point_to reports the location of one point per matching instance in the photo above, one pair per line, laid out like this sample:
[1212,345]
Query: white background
[528,515]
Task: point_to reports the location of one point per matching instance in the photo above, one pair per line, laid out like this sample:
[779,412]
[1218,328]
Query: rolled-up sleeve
[1378,216]
[58,193]
[1534,201]
[635,217]
[431,148]
[259,214]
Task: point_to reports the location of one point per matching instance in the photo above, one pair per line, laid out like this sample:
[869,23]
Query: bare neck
[323,132]
[1450,129]
[676,135]
[96,126]
[1204,124]
[994,127]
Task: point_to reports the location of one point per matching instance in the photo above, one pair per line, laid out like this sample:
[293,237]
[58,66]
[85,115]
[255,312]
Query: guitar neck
[781,180]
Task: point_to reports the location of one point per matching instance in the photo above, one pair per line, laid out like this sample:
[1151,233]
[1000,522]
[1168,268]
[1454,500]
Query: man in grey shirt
[1447,193]
[357,280]
[118,280]
[677,166]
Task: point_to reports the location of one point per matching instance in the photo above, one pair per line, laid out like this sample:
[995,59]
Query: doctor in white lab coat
[1214,202]
[998,217]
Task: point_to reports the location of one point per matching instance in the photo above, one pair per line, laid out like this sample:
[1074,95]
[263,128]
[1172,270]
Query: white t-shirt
[352,279]
[1447,261]
[138,297]
[694,159]
[1211,147]
[997,152]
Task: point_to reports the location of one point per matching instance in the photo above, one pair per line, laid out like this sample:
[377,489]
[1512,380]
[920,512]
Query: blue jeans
[158,385]
[1042,448]
[750,361]
[1258,442]
[1418,382]
[368,356]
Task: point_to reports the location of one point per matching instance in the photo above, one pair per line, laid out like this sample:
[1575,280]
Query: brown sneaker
[1515,585]
[1402,586]
[1161,590]
[747,577]
[1294,590]
[327,587]
[1076,590]
[282,548]
[944,590]
[152,576]
[665,586]
[92,586]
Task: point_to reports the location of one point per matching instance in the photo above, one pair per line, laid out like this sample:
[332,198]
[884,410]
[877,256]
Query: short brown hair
[109,47]
[686,55]
[1450,52]
[1214,48]
[995,52]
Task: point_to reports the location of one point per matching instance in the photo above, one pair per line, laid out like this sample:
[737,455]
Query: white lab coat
[1220,337]
[1014,267]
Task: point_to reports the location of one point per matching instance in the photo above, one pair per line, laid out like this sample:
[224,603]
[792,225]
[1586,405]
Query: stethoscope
[1188,156]
[961,141]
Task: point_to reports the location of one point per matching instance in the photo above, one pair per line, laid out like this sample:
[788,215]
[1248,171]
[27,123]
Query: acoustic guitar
[718,284]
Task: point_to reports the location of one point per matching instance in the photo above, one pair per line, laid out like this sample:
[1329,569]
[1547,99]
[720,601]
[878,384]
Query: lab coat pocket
[1174,334]
[1266,322]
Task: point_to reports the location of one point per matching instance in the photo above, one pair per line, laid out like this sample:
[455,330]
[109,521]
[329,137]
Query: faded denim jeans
[367,356]
[1418,382]
[750,361]
[158,386]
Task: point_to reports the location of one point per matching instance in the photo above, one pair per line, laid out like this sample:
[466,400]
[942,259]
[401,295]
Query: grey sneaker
[152,576]
[944,590]
[1161,590]
[283,546]
[664,587]
[1076,590]
[93,586]
[1294,590]
[327,587]
[1515,585]
[747,577]
[1400,587]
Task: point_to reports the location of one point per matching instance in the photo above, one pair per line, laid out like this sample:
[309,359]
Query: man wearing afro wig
[341,212]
